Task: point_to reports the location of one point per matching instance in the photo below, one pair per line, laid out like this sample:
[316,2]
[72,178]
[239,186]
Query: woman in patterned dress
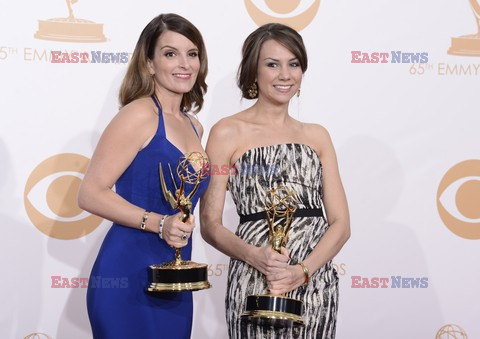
[265,147]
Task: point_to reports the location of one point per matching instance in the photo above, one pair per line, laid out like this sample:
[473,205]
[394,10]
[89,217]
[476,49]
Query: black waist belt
[304,212]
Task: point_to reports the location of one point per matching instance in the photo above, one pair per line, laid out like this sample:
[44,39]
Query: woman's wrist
[151,221]
[249,253]
[161,224]
[306,273]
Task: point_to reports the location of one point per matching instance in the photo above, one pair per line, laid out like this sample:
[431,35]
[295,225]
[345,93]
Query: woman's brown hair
[284,35]
[138,81]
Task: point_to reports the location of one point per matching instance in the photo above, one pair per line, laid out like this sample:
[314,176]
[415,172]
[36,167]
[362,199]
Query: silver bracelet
[160,226]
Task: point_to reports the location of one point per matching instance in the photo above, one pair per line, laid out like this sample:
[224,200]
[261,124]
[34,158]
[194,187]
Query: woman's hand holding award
[280,206]
[181,275]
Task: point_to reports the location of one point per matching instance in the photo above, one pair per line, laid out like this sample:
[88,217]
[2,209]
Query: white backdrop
[406,136]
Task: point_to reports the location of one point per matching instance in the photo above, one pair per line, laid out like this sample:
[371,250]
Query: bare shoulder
[136,122]
[318,137]
[228,128]
[139,110]
[317,131]
[224,138]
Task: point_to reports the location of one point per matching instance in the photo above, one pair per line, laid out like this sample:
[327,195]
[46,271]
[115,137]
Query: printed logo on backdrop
[458,199]
[70,29]
[468,45]
[57,56]
[297,14]
[38,336]
[50,197]
[465,45]
[451,331]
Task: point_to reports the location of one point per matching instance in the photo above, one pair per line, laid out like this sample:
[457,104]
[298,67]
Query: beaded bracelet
[305,272]
[160,226]
[143,224]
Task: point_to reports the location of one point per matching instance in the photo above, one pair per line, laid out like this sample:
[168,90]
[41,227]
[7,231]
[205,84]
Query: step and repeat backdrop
[395,82]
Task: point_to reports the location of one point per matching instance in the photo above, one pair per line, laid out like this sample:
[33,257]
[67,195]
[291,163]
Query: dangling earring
[298,93]
[252,90]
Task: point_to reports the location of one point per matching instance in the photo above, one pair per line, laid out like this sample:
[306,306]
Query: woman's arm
[222,142]
[338,217]
[130,130]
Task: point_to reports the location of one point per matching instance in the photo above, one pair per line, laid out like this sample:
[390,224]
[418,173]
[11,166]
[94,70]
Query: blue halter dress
[117,304]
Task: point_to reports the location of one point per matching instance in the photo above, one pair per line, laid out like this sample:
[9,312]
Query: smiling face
[175,63]
[279,74]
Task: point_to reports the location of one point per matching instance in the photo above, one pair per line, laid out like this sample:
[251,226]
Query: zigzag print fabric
[297,167]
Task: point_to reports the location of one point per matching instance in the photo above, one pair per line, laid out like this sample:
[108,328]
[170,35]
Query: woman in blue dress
[165,79]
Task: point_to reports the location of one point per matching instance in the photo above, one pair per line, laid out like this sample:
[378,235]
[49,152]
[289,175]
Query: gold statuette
[70,29]
[280,206]
[181,275]
[468,45]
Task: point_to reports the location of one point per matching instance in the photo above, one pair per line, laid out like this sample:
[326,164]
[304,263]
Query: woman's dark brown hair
[284,35]
[138,81]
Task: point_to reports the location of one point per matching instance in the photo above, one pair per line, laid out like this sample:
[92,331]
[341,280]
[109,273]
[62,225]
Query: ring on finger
[184,236]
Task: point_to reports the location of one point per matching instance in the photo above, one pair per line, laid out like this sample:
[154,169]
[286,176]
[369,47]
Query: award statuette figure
[280,205]
[181,275]
[468,45]
[70,29]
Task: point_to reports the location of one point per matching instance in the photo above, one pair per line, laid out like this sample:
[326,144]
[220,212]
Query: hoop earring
[253,91]
[298,93]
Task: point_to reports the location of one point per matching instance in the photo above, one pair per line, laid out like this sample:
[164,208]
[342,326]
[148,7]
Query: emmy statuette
[181,275]
[468,45]
[276,310]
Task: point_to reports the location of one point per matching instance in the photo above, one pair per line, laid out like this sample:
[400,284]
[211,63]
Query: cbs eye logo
[286,12]
[50,197]
[458,199]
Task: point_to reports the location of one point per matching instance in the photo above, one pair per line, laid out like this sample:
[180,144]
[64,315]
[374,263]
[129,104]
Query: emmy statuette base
[70,30]
[271,310]
[176,276]
[466,45]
